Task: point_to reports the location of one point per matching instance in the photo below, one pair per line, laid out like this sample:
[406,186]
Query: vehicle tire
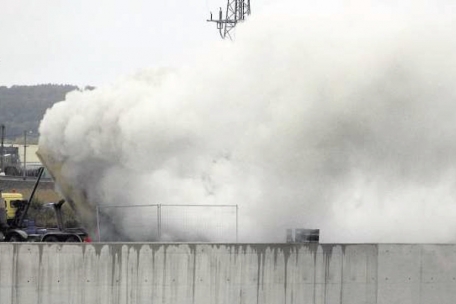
[51,239]
[73,239]
[15,238]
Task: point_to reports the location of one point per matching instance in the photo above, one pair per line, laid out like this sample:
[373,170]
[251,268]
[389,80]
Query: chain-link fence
[169,223]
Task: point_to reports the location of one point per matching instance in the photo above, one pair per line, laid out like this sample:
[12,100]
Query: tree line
[23,106]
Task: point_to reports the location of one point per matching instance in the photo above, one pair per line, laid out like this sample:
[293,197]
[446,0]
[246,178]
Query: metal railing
[24,170]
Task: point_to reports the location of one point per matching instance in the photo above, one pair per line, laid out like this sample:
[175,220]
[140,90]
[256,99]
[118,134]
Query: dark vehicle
[21,229]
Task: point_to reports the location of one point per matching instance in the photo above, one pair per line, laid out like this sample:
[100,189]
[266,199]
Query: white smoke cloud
[338,117]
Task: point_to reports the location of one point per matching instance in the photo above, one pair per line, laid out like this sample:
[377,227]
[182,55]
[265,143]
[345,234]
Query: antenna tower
[236,11]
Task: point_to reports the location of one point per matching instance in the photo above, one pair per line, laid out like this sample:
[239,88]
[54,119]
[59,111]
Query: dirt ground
[45,192]
[43,195]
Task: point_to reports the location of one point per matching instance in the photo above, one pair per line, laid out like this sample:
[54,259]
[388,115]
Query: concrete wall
[228,274]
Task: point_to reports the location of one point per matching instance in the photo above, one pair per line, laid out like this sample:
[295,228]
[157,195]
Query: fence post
[237,223]
[98,224]
[159,222]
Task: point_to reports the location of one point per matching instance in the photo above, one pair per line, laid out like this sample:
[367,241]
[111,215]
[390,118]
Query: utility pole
[2,151]
[24,170]
[236,11]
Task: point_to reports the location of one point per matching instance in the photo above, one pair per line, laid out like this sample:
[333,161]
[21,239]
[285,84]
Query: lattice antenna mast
[236,11]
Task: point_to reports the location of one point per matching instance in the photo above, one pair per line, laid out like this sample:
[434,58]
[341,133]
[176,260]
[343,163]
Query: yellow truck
[8,198]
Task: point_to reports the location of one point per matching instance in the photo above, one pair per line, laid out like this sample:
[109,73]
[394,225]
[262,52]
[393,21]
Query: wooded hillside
[23,107]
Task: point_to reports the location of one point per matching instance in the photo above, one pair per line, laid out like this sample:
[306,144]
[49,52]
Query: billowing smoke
[340,119]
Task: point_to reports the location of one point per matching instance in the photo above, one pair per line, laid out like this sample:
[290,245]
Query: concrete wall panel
[227,273]
[399,277]
[7,273]
[438,274]
[359,270]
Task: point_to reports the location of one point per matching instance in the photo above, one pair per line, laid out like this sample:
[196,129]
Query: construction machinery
[16,227]
[11,163]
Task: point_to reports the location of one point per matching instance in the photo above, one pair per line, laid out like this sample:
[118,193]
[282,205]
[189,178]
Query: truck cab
[10,208]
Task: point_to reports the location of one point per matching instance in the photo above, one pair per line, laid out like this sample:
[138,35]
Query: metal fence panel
[168,223]
[132,223]
[199,223]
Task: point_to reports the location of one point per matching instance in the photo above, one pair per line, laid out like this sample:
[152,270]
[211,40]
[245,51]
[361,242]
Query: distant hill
[23,107]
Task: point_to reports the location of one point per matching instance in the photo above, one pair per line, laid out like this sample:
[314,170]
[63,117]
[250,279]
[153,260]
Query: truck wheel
[73,239]
[51,239]
[15,238]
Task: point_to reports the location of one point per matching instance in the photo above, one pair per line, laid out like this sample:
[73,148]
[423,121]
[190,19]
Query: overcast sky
[89,42]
